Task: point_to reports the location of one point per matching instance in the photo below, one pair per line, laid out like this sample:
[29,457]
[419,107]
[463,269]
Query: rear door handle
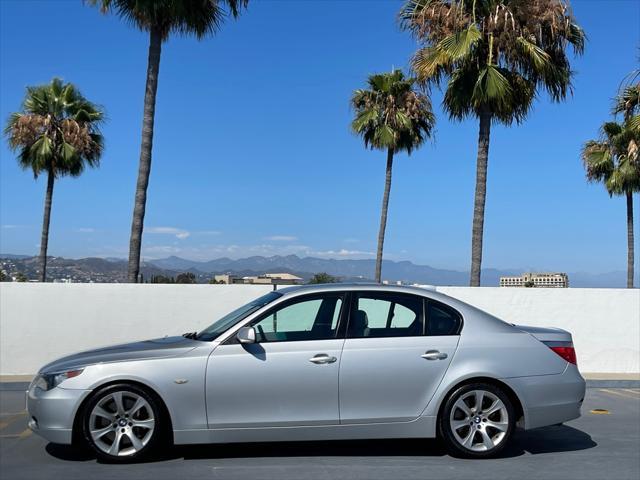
[433,355]
[321,358]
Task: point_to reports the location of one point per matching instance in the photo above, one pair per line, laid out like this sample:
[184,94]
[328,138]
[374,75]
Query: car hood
[147,349]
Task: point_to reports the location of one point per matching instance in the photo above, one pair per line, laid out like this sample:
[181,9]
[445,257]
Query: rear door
[393,360]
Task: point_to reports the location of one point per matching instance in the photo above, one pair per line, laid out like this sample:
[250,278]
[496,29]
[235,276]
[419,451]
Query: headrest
[360,321]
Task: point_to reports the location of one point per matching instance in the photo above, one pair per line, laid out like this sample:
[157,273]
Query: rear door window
[386,314]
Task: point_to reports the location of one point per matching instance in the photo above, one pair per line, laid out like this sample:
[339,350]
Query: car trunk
[546,334]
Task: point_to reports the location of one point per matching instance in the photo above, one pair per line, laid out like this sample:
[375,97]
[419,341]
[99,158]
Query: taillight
[564,349]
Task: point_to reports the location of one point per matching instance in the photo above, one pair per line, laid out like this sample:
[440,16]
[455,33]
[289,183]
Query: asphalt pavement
[599,445]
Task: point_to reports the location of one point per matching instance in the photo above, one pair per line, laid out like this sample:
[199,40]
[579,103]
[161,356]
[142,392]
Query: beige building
[538,280]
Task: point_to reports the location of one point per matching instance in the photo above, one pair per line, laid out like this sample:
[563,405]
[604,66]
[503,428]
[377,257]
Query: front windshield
[219,327]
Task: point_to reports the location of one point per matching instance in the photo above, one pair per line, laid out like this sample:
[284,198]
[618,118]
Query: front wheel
[477,421]
[121,423]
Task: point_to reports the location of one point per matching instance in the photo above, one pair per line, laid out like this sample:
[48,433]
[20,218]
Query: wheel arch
[511,394]
[77,420]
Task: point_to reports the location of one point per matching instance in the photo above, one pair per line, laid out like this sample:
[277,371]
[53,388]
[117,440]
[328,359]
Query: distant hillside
[364,269]
[90,269]
[115,270]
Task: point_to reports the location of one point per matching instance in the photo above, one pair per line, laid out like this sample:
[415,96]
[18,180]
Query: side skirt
[422,427]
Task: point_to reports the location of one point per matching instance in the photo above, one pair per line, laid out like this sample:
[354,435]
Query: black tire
[153,443]
[478,429]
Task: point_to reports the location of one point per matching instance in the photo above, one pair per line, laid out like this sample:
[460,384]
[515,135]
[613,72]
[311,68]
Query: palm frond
[627,101]
[598,160]
[634,124]
[459,45]
[540,59]
[430,64]
[610,129]
[492,90]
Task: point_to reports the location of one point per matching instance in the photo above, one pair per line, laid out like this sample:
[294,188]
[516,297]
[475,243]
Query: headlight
[47,381]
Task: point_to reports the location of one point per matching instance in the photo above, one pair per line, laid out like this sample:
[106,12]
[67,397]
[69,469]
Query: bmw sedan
[316,363]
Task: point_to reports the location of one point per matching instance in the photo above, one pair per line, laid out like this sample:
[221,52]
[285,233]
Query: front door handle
[321,358]
[434,355]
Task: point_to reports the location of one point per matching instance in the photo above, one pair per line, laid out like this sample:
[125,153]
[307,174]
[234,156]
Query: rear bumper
[550,399]
[51,413]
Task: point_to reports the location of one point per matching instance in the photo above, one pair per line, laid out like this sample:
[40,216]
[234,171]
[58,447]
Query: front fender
[178,381]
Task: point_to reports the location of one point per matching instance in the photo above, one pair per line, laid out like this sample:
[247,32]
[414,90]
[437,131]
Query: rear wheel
[477,421]
[122,423]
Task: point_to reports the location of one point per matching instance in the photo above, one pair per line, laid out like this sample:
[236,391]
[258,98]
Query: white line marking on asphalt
[635,392]
[620,394]
[9,420]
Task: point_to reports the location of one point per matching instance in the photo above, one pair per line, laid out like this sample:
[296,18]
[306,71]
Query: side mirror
[246,335]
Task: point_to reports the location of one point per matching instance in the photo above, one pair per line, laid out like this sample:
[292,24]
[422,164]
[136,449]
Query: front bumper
[51,413]
[550,399]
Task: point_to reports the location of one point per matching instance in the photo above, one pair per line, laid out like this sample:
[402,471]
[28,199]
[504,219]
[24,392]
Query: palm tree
[496,54]
[161,18]
[391,116]
[57,133]
[613,160]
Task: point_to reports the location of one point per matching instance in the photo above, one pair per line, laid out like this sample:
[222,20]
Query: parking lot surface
[595,446]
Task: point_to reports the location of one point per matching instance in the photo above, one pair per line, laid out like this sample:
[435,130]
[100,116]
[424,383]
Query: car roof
[428,291]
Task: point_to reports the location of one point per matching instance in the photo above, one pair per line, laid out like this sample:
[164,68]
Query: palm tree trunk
[46,220]
[480,197]
[137,224]
[383,215]
[630,251]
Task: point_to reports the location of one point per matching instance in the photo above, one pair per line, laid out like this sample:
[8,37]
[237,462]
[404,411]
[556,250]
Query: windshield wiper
[191,335]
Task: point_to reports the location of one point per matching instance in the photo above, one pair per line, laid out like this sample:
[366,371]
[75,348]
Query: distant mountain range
[404,271]
[305,267]
[114,270]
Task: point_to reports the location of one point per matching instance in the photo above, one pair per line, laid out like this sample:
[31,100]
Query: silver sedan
[316,363]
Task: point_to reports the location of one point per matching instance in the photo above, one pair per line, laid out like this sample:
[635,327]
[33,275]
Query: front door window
[313,318]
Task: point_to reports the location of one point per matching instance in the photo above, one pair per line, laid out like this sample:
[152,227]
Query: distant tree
[186,277]
[3,276]
[323,278]
[21,277]
[529,284]
[392,116]
[162,279]
[213,281]
[161,19]
[55,133]
[613,160]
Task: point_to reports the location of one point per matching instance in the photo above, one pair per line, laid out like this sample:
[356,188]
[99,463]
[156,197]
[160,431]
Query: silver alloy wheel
[479,420]
[121,423]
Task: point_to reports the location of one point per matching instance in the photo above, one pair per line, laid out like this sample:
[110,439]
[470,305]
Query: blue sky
[253,153]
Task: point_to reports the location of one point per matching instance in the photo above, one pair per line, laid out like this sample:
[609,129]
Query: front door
[391,362]
[289,376]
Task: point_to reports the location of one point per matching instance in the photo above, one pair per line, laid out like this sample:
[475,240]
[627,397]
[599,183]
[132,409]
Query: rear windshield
[216,329]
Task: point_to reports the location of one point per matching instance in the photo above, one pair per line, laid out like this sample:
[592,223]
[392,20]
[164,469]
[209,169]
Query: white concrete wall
[40,322]
[604,322]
